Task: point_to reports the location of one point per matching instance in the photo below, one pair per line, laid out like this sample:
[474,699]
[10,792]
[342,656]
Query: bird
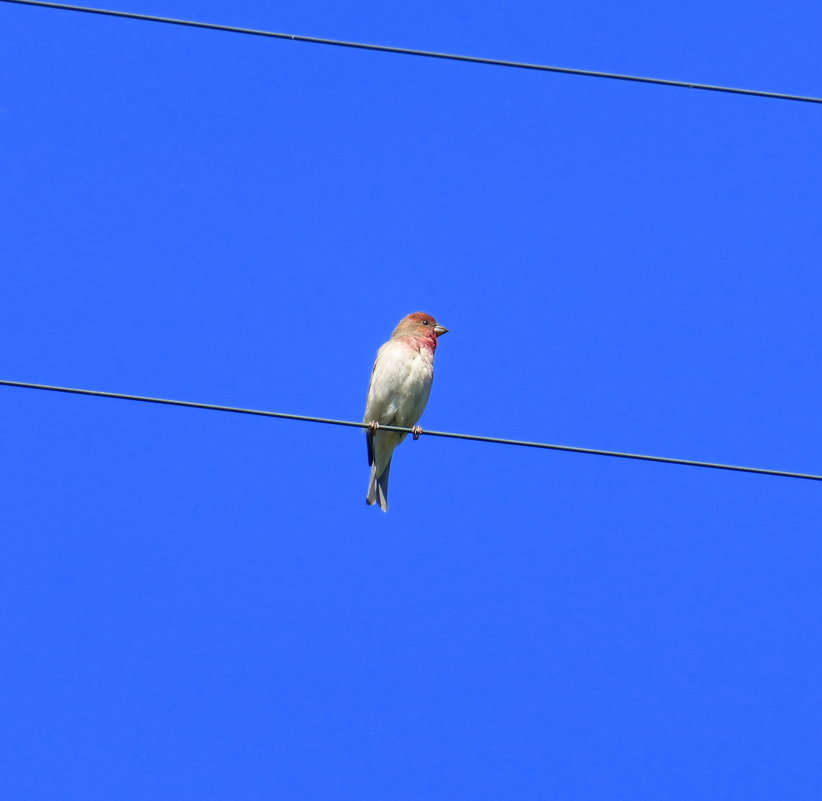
[397,394]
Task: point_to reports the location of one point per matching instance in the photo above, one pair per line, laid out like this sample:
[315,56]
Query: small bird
[399,389]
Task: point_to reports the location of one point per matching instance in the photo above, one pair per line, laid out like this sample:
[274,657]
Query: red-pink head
[420,326]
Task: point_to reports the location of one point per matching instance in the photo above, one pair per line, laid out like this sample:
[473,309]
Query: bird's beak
[439,330]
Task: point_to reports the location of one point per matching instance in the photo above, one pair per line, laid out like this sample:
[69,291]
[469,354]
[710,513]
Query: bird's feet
[415,432]
[373,425]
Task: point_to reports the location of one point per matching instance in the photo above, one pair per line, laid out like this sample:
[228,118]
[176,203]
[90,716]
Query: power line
[400,429]
[410,52]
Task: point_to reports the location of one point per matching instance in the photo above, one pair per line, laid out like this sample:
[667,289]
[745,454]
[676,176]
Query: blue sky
[200,605]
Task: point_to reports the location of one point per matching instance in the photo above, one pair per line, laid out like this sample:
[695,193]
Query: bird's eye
[425,322]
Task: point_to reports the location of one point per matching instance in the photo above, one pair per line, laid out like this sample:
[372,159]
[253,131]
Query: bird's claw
[415,432]
[373,425]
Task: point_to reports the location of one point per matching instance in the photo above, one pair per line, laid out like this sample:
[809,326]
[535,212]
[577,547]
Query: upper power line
[425,53]
[415,431]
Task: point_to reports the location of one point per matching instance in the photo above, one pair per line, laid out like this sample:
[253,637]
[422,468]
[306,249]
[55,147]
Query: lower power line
[416,432]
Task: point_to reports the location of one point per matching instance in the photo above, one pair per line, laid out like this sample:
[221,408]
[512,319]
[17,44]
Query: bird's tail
[378,487]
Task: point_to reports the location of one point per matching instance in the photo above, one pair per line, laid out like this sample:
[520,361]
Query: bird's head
[420,325]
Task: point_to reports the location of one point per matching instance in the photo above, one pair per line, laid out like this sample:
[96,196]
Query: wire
[425,53]
[400,429]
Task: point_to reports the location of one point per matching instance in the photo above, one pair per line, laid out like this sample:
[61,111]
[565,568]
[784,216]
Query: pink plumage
[399,389]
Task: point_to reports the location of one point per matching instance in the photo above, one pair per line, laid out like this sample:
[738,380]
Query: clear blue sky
[200,606]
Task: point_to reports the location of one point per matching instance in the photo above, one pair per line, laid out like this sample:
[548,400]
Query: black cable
[425,53]
[497,440]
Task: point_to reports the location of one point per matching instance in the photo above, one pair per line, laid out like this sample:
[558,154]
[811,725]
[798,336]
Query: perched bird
[399,389]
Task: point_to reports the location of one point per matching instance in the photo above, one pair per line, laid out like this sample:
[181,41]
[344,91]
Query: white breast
[400,383]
